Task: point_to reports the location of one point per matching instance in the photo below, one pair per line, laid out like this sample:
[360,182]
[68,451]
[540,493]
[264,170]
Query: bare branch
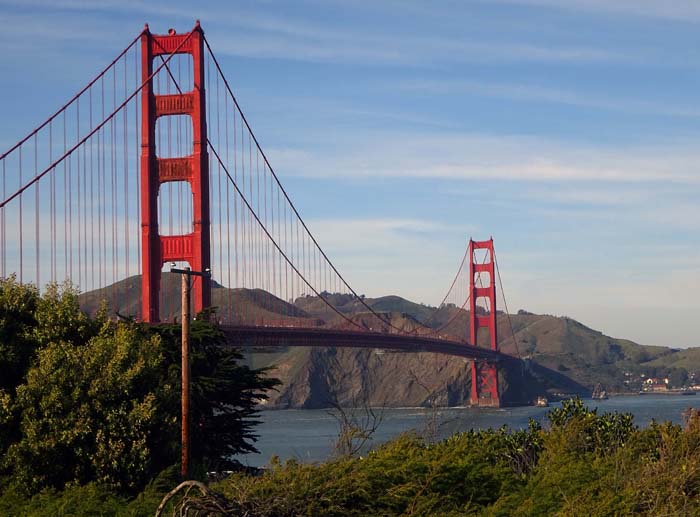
[208,503]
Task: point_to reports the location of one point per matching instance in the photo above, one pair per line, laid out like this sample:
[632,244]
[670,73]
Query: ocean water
[309,434]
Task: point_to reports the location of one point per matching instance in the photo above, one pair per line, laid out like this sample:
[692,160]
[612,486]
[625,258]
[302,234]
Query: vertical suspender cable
[65,206]
[235,212]
[127,269]
[103,194]
[250,222]
[3,225]
[266,242]
[244,229]
[84,286]
[137,168]
[36,212]
[228,213]
[21,223]
[21,239]
[92,195]
[3,228]
[218,174]
[258,241]
[113,156]
[78,195]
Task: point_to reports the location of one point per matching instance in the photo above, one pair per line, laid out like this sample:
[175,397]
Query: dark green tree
[92,400]
[93,410]
[18,304]
[28,322]
[224,398]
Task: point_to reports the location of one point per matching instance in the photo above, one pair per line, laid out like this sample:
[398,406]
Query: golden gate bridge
[153,162]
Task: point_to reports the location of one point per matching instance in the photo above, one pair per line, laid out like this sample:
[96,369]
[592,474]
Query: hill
[552,355]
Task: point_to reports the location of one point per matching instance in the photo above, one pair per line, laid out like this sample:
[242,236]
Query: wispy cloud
[535,93]
[472,156]
[253,34]
[386,237]
[679,10]
[408,257]
[321,45]
[588,196]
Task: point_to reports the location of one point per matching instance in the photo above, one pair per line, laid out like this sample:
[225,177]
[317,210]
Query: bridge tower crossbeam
[484,388]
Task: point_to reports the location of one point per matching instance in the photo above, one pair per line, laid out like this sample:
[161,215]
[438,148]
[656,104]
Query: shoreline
[443,408]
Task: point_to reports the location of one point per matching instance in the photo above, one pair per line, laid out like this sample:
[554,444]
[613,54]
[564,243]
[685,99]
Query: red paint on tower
[192,247]
[484,389]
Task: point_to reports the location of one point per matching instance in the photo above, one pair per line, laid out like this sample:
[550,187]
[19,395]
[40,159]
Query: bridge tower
[484,389]
[192,247]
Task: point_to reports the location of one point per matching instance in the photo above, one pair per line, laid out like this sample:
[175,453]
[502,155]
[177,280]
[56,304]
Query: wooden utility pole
[186,274]
[185,451]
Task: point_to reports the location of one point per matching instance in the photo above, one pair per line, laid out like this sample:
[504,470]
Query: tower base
[484,392]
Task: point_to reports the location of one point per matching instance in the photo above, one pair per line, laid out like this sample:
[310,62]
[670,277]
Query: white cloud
[490,157]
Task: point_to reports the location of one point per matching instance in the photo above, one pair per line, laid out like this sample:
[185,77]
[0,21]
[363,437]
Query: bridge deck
[263,336]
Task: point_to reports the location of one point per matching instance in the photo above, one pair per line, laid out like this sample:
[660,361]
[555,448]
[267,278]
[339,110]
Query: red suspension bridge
[153,162]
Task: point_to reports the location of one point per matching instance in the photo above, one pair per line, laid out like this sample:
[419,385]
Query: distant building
[655,384]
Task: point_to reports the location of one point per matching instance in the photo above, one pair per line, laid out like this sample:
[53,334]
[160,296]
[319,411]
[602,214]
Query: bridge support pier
[484,389]
[484,392]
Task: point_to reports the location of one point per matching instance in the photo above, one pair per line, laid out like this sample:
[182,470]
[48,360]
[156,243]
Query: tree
[94,410]
[29,321]
[224,396]
[677,377]
[97,400]
[18,305]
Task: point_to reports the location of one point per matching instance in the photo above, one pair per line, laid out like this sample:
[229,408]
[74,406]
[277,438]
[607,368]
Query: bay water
[309,434]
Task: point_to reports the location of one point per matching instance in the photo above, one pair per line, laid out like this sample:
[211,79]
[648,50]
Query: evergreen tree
[85,400]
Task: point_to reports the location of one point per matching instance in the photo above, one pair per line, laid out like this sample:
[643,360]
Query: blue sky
[567,130]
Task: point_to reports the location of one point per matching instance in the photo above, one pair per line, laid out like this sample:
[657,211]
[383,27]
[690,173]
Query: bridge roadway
[263,336]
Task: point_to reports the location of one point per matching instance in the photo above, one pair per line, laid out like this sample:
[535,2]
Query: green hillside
[559,355]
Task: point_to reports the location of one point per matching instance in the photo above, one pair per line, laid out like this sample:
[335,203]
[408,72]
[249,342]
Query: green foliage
[93,409]
[224,394]
[405,476]
[18,304]
[669,480]
[92,405]
[59,318]
[596,432]
[29,321]
[585,465]
[90,499]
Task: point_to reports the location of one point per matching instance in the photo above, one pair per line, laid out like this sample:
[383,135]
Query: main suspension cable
[505,305]
[95,129]
[291,204]
[274,242]
[73,99]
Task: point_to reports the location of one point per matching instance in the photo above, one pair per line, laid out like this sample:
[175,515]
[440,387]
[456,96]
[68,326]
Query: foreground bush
[583,464]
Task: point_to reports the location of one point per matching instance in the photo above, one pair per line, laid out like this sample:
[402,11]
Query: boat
[542,402]
[599,393]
